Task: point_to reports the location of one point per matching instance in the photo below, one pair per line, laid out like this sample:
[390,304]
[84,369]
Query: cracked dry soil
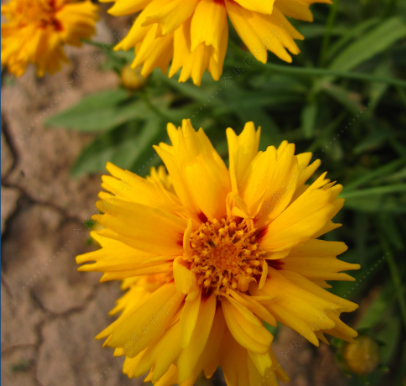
[50,313]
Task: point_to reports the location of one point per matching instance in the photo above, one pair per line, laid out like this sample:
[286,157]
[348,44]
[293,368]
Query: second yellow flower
[194,33]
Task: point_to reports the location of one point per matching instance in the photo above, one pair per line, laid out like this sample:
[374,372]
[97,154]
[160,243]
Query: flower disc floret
[225,255]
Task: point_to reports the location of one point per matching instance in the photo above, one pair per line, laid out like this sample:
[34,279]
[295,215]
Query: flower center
[225,255]
[42,12]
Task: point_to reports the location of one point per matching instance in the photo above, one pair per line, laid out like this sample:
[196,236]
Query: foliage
[343,98]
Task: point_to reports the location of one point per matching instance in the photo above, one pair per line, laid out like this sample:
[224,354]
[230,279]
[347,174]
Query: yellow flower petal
[242,150]
[188,319]
[190,355]
[137,329]
[200,176]
[245,327]
[138,225]
[36,32]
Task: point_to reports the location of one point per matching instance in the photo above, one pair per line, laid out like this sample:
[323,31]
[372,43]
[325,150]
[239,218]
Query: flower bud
[132,78]
[362,356]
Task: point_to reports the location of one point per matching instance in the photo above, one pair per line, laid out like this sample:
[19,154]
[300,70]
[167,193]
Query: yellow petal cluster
[210,253]
[193,34]
[36,31]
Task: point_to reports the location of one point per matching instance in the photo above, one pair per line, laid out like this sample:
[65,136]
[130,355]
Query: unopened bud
[362,356]
[132,78]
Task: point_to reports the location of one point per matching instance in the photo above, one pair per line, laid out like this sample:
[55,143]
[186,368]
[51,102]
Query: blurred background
[343,98]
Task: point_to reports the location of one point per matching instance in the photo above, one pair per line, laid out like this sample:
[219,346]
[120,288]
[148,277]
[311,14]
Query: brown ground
[50,312]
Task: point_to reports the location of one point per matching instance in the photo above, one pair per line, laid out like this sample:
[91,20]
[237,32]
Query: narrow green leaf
[391,231]
[372,43]
[351,33]
[376,204]
[128,146]
[253,100]
[377,310]
[308,118]
[389,335]
[382,171]
[103,149]
[395,271]
[144,156]
[97,101]
[350,100]
[372,141]
[377,90]
[96,114]
[311,31]
[186,89]
[374,191]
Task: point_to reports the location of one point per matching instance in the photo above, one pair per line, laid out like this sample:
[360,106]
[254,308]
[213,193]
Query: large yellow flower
[37,30]
[209,253]
[195,32]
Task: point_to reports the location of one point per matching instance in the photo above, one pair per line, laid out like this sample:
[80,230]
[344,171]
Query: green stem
[340,74]
[375,191]
[327,35]
[153,108]
[394,270]
[288,69]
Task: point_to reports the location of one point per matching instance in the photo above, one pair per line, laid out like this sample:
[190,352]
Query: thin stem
[288,69]
[340,74]
[327,35]
[153,108]
[394,270]
[374,191]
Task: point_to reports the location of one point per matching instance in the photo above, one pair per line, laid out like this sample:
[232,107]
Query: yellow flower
[210,253]
[37,30]
[194,33]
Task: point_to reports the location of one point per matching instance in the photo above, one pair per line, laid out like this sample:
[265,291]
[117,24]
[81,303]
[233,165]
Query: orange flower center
[28,12]
[225,255]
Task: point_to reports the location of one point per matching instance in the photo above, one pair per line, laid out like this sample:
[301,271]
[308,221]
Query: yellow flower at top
[210,253]
[36,31]
[194,33]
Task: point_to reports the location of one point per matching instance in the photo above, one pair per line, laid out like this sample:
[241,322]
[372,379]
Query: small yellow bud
[132,78]
[362,356]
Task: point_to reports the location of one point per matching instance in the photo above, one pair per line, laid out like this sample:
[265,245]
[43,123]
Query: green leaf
[316,30]
[372,141]
[124,146]
[376,204]
[187,89]
[377,90]
[99,100]
[249,100]
[358,30]
[101,112]
[379,172]
[350,100]
[372,43]
[389,335]
[378,309]
[143,154]
[308,118]
[375,191]
[391,231]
